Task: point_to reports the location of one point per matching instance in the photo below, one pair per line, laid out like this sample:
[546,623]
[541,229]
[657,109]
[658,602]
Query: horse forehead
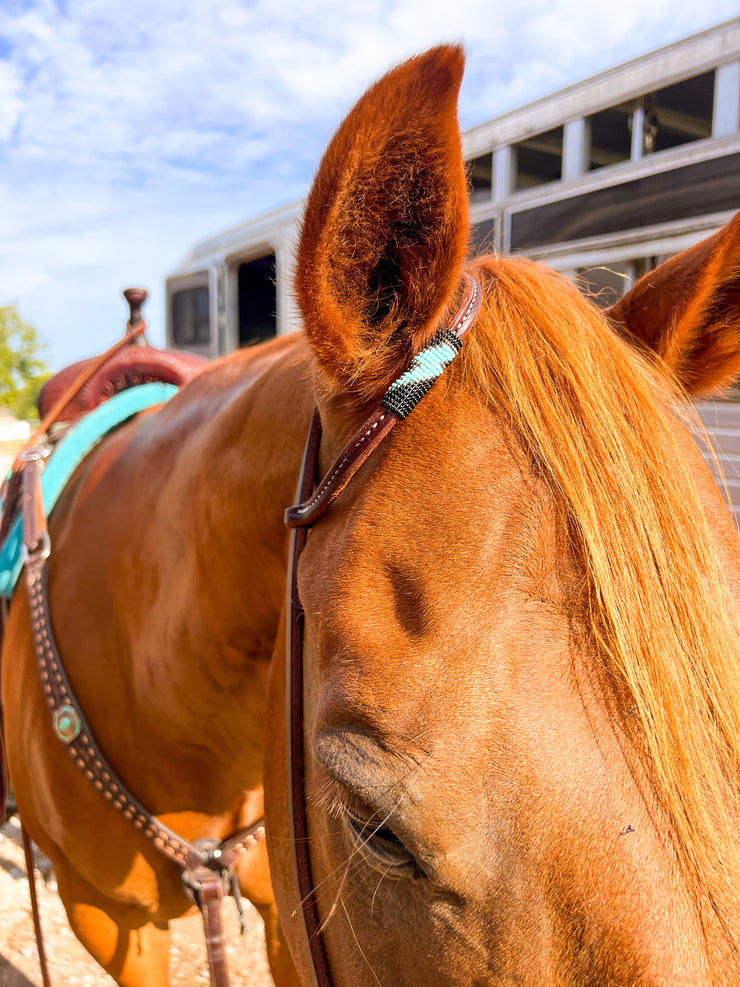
[421,562]
[400,623]
[424,541]
[447,481]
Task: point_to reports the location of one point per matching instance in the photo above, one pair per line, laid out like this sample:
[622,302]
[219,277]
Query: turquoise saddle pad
[83,436]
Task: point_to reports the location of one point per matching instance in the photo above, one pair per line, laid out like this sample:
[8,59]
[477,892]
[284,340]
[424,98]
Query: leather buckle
[35,535]
[195,880]
[210,872]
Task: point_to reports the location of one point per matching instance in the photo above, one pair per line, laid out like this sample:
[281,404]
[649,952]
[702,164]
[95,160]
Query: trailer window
[692,190]
[480,177]
[610,136]
[257,300]
[539,159]
[679,114]
[190,317]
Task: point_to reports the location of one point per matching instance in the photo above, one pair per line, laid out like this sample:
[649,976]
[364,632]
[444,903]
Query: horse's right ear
[385,229]
[688,312]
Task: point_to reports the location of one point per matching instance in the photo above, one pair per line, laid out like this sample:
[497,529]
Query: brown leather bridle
[312,500]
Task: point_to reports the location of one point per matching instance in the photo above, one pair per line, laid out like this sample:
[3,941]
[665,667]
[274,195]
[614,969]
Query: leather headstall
[312,500]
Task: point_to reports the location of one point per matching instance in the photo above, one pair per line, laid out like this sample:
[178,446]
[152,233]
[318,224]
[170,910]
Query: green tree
[23,366]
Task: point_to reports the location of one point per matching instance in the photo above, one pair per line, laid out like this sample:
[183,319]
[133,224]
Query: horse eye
[381,847]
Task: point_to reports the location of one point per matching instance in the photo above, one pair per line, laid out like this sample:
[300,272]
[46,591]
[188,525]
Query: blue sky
[128,131]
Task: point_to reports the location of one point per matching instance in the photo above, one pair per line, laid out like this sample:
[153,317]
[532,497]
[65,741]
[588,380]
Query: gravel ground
[71,966]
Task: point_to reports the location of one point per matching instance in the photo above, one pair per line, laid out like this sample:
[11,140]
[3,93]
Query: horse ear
[385,230]
[688,312]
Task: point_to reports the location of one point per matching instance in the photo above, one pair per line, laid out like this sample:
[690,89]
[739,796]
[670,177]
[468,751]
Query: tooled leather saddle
[127,368]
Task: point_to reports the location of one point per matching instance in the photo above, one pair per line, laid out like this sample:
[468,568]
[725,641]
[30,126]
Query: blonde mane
[592,414]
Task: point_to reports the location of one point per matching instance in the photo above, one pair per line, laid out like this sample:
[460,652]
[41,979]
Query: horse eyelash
[326,796]
[338,802]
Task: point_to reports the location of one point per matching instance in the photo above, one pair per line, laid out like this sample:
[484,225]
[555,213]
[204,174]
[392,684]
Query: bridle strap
[294,723]
[31,872]
[396,404]
[312,501]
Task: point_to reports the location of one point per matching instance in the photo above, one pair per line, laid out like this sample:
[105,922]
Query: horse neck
[199,571]
[230,503]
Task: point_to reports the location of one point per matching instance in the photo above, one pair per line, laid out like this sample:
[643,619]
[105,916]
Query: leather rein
[312,500]
[207,865]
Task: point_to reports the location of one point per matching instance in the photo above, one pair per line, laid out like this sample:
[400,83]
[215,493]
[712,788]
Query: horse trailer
[602,181]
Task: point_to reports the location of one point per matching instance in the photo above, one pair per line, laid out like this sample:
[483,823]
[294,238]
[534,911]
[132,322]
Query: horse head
[522,727]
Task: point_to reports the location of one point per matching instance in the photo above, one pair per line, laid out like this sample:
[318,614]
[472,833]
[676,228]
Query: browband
[396,404]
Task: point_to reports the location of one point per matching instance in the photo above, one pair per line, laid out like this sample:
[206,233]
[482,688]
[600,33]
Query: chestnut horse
[521,658]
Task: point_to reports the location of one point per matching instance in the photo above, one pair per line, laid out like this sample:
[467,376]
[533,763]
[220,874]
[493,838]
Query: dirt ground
[71,966]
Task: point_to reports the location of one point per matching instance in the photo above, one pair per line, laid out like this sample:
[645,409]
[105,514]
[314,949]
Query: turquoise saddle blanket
[83,436]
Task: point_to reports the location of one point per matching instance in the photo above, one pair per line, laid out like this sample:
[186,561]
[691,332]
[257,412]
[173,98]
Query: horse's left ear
[688,312]
[385,229]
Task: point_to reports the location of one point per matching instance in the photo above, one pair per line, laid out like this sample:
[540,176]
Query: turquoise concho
[67,723]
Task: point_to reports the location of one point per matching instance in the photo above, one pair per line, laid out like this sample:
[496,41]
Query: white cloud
[10,102]
[129,130]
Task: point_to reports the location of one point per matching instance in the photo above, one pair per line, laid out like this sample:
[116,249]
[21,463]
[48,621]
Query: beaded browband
[396,404]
